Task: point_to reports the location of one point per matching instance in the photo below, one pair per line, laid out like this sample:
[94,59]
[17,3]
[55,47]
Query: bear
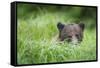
[72,33]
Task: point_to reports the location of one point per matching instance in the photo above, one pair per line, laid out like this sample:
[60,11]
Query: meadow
[37,30]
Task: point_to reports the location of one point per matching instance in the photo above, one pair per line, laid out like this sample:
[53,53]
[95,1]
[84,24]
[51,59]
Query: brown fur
[70,32]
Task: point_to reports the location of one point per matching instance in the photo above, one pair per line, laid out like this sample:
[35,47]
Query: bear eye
[77,35]
[69,36]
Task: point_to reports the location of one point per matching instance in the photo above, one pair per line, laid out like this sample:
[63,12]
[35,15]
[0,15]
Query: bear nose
[74,40]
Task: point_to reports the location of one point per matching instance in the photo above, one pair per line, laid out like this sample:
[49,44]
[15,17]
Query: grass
[35,45]
[36,41]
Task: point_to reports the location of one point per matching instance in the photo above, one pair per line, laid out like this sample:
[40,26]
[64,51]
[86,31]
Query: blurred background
[58,13]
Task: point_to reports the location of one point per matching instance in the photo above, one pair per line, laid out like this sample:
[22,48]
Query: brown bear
[72,33]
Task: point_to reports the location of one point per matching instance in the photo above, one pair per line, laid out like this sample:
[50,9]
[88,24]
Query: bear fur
[71,32]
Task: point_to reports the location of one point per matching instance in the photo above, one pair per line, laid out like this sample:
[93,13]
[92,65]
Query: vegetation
[37,28]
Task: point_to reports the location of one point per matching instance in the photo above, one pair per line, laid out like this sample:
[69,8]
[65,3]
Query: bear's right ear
[82,25]
[60,26]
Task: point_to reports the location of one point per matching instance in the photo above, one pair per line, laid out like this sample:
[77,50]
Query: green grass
[36,41]
[35,45]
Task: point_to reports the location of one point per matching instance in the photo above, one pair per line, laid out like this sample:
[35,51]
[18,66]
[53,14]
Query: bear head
[71,32]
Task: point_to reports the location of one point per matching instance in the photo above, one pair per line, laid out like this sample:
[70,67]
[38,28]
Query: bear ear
[60,26]
[82,25]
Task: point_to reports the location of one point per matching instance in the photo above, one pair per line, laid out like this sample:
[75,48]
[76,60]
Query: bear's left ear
[82,25]
[60,26]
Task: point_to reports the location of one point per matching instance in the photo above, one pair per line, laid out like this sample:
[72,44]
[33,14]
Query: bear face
[71,32]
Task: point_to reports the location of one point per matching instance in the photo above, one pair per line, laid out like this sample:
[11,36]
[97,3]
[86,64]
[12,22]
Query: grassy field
[37,42]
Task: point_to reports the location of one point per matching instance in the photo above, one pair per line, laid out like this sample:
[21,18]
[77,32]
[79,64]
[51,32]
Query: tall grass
[37,42]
